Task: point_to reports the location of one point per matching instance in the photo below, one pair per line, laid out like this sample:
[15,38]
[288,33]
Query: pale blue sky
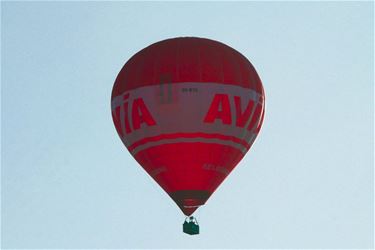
[68,182]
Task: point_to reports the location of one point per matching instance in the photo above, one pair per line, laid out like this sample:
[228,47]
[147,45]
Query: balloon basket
[190,226]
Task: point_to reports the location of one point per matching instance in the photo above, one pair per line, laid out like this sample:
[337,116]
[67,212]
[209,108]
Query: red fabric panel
[187,59]
[189,166]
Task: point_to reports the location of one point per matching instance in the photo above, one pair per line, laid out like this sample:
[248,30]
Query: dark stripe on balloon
[170,139]
[189,135]
[238,147]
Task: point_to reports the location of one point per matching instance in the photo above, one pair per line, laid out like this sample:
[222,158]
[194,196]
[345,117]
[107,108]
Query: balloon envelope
[188,109]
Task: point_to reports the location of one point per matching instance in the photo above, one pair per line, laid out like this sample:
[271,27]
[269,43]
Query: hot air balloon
[188,109]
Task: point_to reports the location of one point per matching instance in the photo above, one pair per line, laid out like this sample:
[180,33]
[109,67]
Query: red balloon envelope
[188,109]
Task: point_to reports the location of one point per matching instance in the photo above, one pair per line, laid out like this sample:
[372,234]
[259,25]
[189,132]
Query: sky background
[68,182]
